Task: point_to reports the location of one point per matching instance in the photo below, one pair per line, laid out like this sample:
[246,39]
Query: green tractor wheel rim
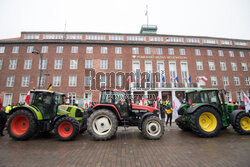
[245,123]
[207,122]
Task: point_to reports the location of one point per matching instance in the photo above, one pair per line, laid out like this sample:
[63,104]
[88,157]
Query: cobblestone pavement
[129,148]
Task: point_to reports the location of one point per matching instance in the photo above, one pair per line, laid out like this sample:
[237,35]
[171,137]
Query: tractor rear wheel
[242,123]
[181,124]
[152,128]
[205,122]
[21,125]
[66,128]
[102,124]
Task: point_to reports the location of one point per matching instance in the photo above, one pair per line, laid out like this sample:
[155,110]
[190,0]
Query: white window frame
[42,83]
[223,66]
[244,66]
[171,51]
[15,49]
[241,54]
[209,52]
[147,50]
[236,80]
[247,80]
[182,52]
[1,64]
[118,80]
[211,65]
[234,66]
[197,52]
[118,64]
[72,80]
[89,50]
[30,49]
[159,51]
[214,81]
[44,64]
[27,64]
[231,53]
[103,83]
[118,50]
[88,64]
[199,65]
[225,80]
[135,51]
[57,80]
[74,49]
[22,97]
[44,49]
[58,64]
[25,81]
[13,64]
[59,49]
[10,81]
[220,52]
[104,50]
[6,101]
[104,64]
[86,79]
[2,49]
[73,64]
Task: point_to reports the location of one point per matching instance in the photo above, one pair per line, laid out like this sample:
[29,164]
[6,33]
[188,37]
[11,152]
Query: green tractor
[206,113]
[46,112]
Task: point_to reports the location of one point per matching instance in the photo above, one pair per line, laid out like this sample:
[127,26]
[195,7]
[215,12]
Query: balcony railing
[160,85]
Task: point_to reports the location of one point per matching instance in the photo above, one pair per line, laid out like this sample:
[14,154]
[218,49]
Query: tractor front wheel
[102,124]
[67,128]
[152,128]
[21,125]
[205,122]
[242,123]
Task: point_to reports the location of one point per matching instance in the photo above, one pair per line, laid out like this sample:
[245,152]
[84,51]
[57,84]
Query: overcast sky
[216,18]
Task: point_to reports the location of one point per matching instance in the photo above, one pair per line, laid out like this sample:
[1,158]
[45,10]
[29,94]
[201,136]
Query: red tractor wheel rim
[20,125]
[65,129]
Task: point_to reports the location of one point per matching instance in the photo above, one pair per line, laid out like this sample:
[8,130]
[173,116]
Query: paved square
[129,148]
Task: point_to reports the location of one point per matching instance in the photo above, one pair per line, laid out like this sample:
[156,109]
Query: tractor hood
[140,107]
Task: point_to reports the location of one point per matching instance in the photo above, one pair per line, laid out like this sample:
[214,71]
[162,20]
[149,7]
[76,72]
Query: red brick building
[68,58]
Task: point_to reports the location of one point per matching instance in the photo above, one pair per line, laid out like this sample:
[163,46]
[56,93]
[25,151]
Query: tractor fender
[143,117]
[57,118]
[109,107]
[193,109]
[233,116]
[37,114]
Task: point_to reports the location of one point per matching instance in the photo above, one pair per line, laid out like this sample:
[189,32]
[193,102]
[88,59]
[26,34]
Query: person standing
[3,119]
[169,112]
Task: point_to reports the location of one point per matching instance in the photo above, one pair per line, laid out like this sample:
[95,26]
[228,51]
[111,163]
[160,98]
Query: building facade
[149,65]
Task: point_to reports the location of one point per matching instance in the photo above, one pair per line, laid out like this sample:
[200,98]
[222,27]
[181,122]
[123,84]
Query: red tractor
[116,109]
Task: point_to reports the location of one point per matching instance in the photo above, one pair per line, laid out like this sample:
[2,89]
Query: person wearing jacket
[3,119]
[169,112]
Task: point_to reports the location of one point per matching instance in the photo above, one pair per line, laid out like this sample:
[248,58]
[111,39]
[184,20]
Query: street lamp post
[40,75]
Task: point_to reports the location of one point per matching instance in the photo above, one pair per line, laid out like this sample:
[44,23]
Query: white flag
[176,106]
[247,102]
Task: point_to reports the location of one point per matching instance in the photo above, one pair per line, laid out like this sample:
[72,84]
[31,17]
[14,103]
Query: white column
[159,94]
[173,94]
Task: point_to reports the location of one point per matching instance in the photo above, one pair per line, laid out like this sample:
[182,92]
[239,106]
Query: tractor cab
[45,101]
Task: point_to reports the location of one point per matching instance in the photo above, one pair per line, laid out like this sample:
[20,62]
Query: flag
[163,79]
[27,98]
[143,78]
[204,79]
[177,79]
[197,79]
[189,79]
[176,106]
[246,101]
[50,87]
[128,79]
[90,103]
[171,79]
[142,101]
[225,87]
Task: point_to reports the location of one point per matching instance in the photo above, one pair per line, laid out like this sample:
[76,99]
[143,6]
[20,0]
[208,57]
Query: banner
[176,106]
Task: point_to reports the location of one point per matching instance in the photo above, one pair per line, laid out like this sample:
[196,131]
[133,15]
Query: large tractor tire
[22,125]
[242,123]
[205,122]
[102,124]
[66,128]
[152,128]
[83,127]
[181,124]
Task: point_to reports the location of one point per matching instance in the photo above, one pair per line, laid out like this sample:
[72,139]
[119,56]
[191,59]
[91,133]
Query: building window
[223,66]
[104,50]
[231,53]
[236,80]
[59,49]
[159,51]
[44,64]
[174,39]
[156,39]
[30,49]
[234,66]
[2,48]
[171,51]
[136,38]
[104,64]
[7,99]
[225,80]
[210,41]
[118,50]
[172,71]
[147,50]
[42,81]
[96,37]
[25,81]
[240,43]
[118,80]
[244,66]
[31,36]
[239,96]
[228,96]
[15,49]
[22,98]
[197,52]
[184,72]
[73,64]
[209,53]
[53,36]
[225,42]
[88,81]
[103,80]
[211,65]
[88,97]
[57,81]
[118,64]
[242,54]
[221,53]
[199,65]
[58,64]
[74,49]
[192,40]
[161,72]
[88,64]
[10,81]
[74,36]
[89,50]
[72,80]
[116,38]
[135,51]
[72,98]
[247,81]
[13,64]
[213,80]
[27,64]
[45,49]
[1,64]
[182,52]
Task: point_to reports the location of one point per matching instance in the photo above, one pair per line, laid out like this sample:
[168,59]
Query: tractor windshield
[193,97]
